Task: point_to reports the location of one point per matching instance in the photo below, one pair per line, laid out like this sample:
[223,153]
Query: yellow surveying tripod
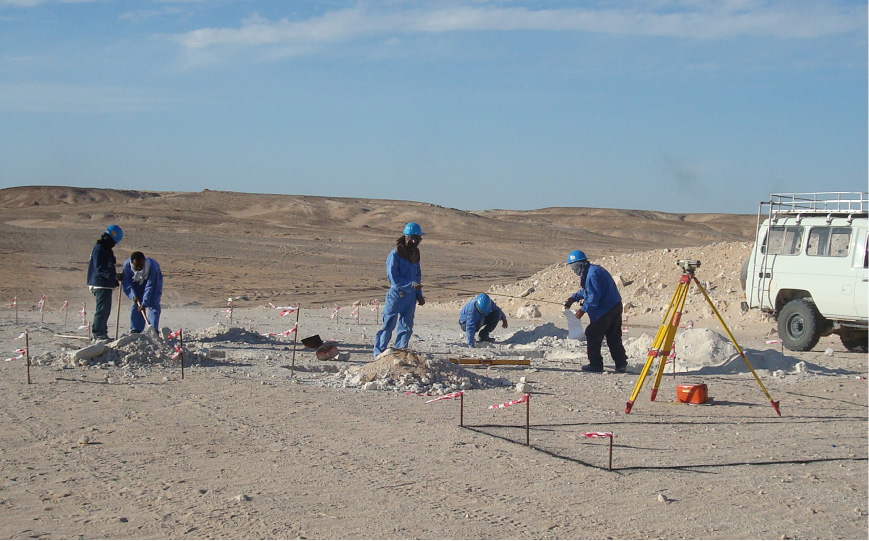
[663,342]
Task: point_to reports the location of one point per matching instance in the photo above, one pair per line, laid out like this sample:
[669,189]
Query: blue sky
[674,105]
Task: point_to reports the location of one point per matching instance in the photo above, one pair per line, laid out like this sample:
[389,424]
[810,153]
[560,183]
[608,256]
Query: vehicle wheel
[799,325]
[856,342]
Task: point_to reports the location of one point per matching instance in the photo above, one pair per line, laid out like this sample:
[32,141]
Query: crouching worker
[143,284]
[483,315]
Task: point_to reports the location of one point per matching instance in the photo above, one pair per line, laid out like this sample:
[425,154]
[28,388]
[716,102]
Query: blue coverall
[471,321]
[149,292]
[603,304]
[400,305]
[101,281]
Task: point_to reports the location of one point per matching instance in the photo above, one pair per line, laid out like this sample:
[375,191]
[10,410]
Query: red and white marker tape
[20,336]
[335,313]
[376,305]
[689,325]
[285,310]
[14,302]
[598,434]
[41,303]
[20,351]
[65,304]
[624,330]
[83,316]
[772,341]
[174,334]
[447,396]
[521,400]
[177,352]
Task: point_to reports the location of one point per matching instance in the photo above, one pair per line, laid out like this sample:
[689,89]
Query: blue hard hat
[116,233]
[483,304]
[413,228]
[576,255]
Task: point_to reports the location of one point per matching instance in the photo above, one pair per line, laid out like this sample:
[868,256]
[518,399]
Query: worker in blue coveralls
[601,301]
[102,279]
[405,290]
[143,284]
[481,314]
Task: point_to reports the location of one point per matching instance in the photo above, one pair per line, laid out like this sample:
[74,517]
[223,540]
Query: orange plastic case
[692,394]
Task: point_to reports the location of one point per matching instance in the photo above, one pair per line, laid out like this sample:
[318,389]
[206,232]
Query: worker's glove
[504,322]
[416,285]
[568,303]
[420,301]
[119,276]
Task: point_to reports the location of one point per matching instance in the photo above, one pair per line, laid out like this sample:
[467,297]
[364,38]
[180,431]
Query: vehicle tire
[799,325]
[856,342]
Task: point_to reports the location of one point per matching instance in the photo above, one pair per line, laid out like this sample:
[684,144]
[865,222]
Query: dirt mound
[703,351]
[406,371]
[646,281]
[223,333]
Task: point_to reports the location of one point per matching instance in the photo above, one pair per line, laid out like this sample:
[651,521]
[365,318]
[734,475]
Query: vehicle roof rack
[819,203]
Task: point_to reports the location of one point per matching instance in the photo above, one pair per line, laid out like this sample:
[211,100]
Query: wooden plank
[524,362]
[72,336]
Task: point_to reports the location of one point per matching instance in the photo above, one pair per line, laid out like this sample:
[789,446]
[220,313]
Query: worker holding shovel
[143,284]
[102,279]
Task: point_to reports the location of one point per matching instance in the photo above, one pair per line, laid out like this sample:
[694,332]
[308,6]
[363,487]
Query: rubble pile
[134,350]
[407,371]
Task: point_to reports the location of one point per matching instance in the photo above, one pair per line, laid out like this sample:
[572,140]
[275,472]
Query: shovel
[148,328]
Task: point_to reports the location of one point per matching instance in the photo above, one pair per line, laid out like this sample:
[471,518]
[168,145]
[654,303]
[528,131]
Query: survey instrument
[663,343]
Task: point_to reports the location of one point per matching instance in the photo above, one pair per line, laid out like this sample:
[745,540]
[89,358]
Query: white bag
[575,330]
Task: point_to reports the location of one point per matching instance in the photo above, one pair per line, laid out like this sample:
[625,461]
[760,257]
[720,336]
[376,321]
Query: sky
[673,105]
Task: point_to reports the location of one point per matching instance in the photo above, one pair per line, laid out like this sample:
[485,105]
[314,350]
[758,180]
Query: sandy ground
[238,449]
[259,440]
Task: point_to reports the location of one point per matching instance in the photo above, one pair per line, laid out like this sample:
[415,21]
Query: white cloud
[693,19]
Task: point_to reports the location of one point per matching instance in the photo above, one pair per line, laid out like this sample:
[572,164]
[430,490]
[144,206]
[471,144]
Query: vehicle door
[828,269]
[861,267]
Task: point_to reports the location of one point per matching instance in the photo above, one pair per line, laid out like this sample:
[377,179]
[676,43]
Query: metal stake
[181,346]
[295,339]
[118,315]
[27,353]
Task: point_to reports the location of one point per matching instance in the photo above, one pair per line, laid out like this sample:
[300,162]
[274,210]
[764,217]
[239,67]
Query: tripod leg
[670,335]
[739,349]
[654,351]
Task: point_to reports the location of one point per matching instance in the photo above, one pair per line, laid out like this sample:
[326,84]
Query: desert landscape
[260,439]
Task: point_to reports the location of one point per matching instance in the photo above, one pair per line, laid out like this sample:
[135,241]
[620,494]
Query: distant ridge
[320,248]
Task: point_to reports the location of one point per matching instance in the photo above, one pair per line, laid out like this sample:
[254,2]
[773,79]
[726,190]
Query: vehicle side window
[829,241]
[866,254]
[784,240]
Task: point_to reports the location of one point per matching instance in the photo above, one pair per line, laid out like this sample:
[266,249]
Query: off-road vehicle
[809,267]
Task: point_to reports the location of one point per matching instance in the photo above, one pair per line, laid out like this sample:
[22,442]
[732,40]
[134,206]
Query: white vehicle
[809,267]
